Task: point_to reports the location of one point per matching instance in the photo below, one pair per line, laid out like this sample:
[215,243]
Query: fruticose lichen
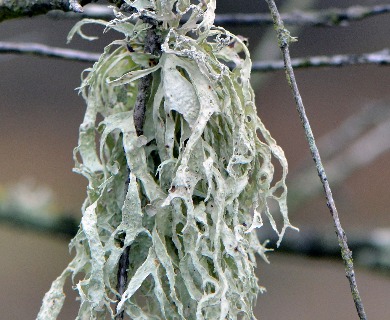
[186,196]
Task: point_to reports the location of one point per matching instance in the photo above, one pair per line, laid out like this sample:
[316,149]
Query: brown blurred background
[39,117]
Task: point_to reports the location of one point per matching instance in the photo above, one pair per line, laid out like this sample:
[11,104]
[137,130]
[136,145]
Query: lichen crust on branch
[188,194]
[11,9]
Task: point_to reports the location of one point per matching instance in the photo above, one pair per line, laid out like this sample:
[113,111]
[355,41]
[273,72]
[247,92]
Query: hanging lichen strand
[185,197]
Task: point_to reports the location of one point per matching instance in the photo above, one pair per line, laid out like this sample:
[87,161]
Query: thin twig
[47,51]
[266,49]
[376,58]
[284,39]
[330,17]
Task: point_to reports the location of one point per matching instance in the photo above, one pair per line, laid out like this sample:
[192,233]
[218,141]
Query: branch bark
[47,51]
[284,39]
[375,58]
[323,18]
[123,266]
[327,18]
[330,17]
[152,46]
[11,9]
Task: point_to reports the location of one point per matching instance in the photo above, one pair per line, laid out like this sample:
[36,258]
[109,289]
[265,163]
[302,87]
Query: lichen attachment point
[186,196]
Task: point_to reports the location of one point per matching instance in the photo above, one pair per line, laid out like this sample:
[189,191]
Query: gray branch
[284,39]
[376,58]
[47,51]
[67,8]
[11,9]
[266,49]
[92,11]
[330,17]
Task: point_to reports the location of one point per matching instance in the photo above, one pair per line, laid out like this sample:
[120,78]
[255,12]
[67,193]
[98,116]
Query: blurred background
[40,113]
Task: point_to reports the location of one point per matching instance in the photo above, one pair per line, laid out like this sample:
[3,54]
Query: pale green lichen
[201,175]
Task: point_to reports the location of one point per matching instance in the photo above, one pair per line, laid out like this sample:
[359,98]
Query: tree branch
[47,51]
[377,58]
[266,49]
[330,17]
[11,9]
[284,39]
[92,11]
[152,46]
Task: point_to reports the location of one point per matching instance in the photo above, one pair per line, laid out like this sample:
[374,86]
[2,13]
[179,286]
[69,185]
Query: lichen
[188,195]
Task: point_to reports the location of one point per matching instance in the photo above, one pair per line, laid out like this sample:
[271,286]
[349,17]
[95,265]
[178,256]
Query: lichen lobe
[181,195]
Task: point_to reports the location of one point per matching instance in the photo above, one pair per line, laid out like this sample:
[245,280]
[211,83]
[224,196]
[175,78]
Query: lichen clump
[184,198]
